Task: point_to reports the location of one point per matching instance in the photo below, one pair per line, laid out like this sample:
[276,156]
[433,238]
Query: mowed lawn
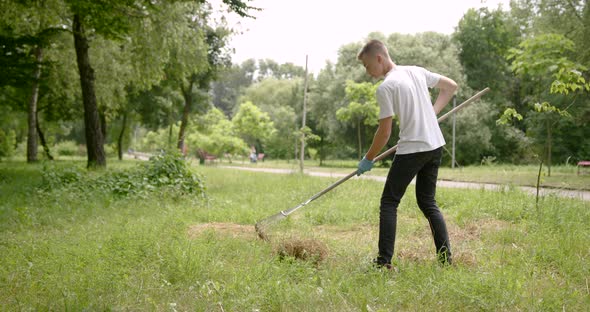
[562,177]
[68,250]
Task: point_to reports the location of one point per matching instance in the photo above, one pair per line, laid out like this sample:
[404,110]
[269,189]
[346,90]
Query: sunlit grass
[96,252]
[565,177]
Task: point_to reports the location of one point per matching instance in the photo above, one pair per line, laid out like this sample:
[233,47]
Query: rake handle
[384,154]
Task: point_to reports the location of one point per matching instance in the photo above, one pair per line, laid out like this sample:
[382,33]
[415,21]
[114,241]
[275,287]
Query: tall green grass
[95,251]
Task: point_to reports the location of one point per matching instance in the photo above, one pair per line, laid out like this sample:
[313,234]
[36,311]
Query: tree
[484,38]
[200,78]
[113,20]
[281,100]
[232,80]
[543,59]
[158,108]
[253,125]
[214,133]
[362,108]
[326,96]
[28,28]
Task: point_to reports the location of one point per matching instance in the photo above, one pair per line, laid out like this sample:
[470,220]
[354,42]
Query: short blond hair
[373,47]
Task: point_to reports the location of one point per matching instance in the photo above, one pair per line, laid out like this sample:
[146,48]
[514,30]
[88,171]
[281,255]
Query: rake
[263,224]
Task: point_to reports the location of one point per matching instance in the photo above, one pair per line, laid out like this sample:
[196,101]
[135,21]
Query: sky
[288,30]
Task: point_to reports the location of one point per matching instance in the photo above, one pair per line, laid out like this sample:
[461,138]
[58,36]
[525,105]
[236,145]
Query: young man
[404,94]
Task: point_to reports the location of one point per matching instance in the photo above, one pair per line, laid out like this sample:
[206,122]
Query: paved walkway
[584,195]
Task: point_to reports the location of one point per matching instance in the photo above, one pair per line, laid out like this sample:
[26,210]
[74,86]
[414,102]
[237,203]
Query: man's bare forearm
[447,90]
[380,139]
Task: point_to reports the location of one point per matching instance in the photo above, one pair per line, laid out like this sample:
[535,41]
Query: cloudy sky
[287,30]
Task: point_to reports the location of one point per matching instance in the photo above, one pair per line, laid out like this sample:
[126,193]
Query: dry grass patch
[229,229]
[418,246]
[415,246]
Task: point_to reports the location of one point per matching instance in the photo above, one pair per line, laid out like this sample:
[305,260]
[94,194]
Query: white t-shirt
[404,93]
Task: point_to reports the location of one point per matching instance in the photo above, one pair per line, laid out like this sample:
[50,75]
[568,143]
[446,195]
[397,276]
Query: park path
[578,194]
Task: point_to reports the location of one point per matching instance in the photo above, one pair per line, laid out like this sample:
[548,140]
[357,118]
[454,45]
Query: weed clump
[166,172]
[307,250]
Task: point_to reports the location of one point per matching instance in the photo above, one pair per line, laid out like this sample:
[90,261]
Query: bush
[167,172]
[56,177]
[67,148]
[7,141]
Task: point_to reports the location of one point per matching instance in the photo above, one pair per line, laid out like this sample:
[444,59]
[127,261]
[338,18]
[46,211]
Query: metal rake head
[262,225]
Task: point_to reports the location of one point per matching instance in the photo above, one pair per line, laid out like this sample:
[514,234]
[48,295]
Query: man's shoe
[383,266]
[444,259]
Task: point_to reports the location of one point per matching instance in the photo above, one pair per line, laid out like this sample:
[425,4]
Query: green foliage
[508,115]
[570,80]
[544,60]
[252,124]
[545,107]
[215,135]
[545,54]
[269,68]
[166,172]
[282,101]
[7,143]
[474,129]
[231,82]
[156,141]
[433,51]
[308,135]
[171,170]
[61,177]
[483,38]
[362,106]
[68,148]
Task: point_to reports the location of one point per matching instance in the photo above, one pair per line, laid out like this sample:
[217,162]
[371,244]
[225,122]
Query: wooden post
[453,160]
[302,150]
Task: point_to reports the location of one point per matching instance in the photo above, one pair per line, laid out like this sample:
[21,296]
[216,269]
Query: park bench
[582,164]
[206,157]
[210,158]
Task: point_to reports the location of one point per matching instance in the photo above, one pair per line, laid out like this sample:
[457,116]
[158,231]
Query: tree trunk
[42,139]
[32,120]
[188,101]
[359,137]
[103,125]
[321,151]
[549,143]
[121,134]
[170,135]
[94,138]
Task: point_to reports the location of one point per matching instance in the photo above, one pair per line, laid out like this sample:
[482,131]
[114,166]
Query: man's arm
[380,139]
[447,88]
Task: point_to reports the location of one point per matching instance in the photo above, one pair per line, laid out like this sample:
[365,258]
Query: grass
[563,177]
[93,251]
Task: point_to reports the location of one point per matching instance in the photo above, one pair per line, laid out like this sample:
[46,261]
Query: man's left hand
[364,166]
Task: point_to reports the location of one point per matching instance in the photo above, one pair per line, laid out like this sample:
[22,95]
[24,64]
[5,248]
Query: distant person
[253,155]
[404,94]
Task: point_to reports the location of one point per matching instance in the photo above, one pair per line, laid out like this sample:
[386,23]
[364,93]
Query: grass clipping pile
[310,250]
[304,249]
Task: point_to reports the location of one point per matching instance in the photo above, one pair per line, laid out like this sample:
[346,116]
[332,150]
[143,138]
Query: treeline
[165,80]
[76,69]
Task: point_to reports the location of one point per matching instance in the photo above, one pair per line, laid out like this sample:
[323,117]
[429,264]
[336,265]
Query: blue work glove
[364,166]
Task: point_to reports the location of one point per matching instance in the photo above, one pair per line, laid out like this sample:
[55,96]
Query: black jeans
[424,166]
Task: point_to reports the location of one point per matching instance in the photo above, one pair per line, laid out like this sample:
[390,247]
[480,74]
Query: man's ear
[379,58]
